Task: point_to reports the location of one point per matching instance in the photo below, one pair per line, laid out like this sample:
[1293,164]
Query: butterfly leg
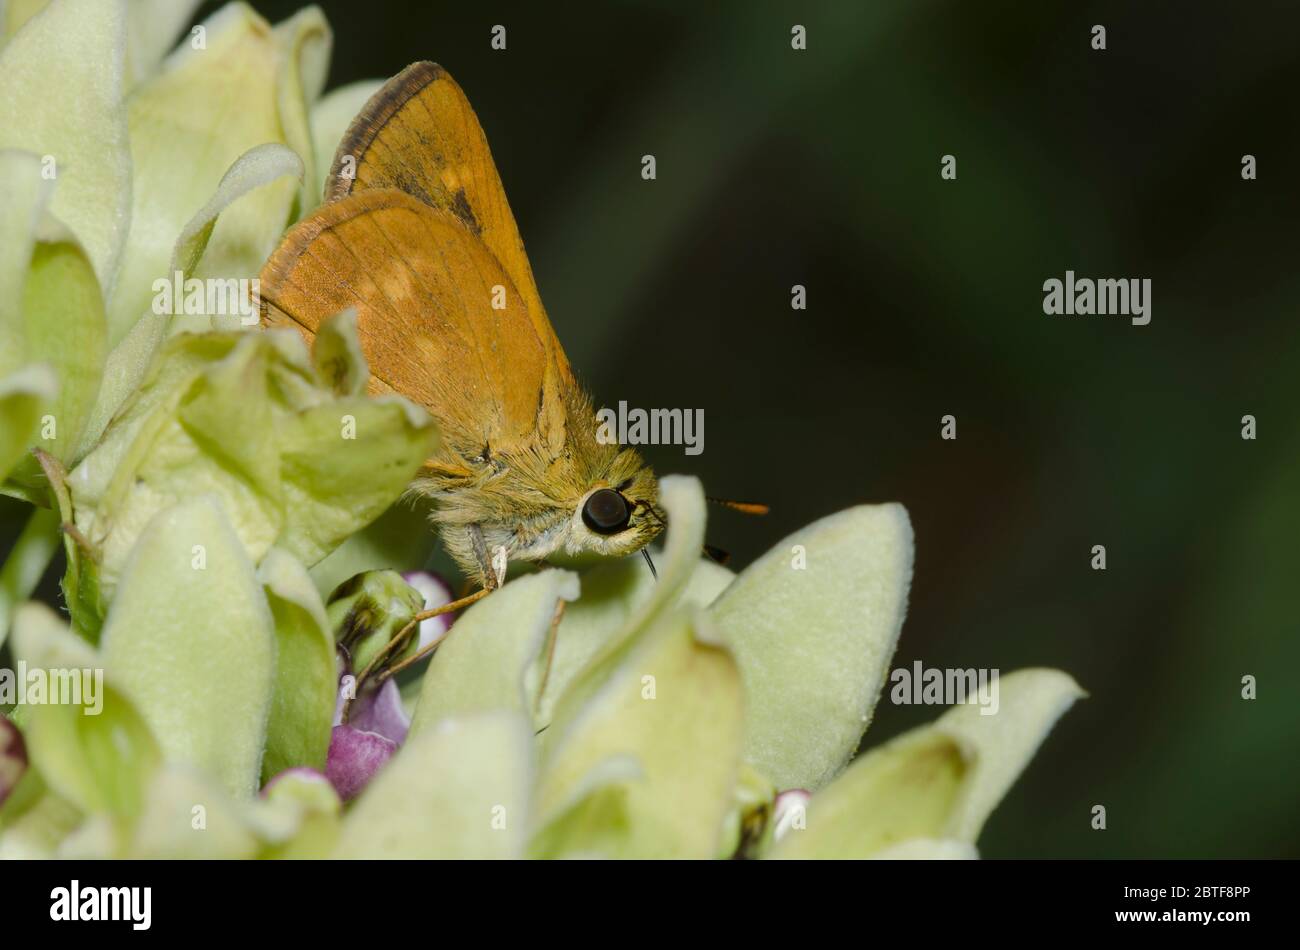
[491,570]
[377,667]
[552,636]
[414,658]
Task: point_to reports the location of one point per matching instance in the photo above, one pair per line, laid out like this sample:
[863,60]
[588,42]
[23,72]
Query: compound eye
[606,512]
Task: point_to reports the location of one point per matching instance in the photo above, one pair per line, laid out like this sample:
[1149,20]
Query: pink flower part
[13,757]
[355,757]
[380,711]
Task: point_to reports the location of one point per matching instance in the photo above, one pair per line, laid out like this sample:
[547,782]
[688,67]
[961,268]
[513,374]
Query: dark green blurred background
[821,168]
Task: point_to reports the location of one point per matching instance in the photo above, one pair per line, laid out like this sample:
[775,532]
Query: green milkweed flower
[122,165]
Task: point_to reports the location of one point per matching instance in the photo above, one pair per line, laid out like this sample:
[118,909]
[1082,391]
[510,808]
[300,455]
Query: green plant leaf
[400,539]
[34,827]
[337,357]
[14,15]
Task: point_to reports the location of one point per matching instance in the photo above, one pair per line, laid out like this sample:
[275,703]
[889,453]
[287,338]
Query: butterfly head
[621,514]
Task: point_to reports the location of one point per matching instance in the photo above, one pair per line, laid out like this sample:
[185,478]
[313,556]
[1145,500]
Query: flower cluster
[216,490]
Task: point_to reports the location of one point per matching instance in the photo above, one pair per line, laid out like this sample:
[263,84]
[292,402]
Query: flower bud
[369,609]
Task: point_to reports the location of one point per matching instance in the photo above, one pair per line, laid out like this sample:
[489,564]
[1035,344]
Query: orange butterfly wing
[422,287]
[415,234]
[420,135]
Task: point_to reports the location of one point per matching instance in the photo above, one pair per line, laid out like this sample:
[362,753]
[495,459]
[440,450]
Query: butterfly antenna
[645,553]
[745,507]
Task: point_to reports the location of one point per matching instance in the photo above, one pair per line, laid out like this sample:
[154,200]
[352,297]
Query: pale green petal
[682,497]
[674,706]
[316,816]
[458,790]
[748,828]
[189,124]
[152,27]
[306,671]
[814,642]
[129,359]
[612,591]
[51,311]
[34,832]
[14,14]
[111,505]
[259,166]
[188,815]
[905,789]
[337,357]
[124,368]
[330,119]
[594,820]
[707,583]
[191,640]
[195,444]
[42,640]
[99,753]
[400,539]
[1029,702]
[304,42]
[62,82]
[483,663]
[304,480]
[64,316]
[939,781]
[22,395]
[24,195]
[343,464]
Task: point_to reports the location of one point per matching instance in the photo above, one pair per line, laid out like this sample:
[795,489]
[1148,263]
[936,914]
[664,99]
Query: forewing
[423,287]
[418,134]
